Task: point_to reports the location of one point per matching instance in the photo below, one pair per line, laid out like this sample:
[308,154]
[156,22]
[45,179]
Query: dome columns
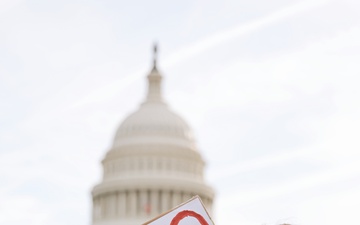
[139,203]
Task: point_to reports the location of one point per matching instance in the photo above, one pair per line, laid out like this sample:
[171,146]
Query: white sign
[191,212]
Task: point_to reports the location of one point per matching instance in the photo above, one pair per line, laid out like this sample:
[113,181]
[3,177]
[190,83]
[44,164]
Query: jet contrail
[106,91]
[243,29]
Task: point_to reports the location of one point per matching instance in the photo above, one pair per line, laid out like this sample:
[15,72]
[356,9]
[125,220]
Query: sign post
[191,212]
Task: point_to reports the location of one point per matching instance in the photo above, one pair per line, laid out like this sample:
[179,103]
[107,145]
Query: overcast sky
[270,88]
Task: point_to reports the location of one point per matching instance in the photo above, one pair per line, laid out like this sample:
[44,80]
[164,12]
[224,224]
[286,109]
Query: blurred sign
[191,212]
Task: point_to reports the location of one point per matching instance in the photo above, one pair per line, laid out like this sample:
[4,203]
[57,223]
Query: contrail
[192,50]
[207,43]
[243,29]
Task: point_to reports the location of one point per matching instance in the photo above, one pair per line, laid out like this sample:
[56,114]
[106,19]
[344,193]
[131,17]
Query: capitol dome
[152,165]
[154,119]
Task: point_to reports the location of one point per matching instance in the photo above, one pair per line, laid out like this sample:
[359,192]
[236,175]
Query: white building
[152,166]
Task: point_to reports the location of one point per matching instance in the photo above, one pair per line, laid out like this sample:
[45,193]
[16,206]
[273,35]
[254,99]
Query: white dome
[154,119]
[154,122]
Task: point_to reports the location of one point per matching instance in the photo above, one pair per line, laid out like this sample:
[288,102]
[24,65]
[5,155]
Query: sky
[270,88]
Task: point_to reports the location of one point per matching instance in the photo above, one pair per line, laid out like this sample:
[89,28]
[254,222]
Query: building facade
[152,166]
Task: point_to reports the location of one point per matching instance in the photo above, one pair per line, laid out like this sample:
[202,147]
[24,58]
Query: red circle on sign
[181,215]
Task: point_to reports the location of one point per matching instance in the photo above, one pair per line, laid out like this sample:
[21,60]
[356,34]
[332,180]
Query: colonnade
[145,165]
[139,203]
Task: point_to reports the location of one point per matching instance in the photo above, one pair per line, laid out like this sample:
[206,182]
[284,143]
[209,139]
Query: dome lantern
[154,80]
